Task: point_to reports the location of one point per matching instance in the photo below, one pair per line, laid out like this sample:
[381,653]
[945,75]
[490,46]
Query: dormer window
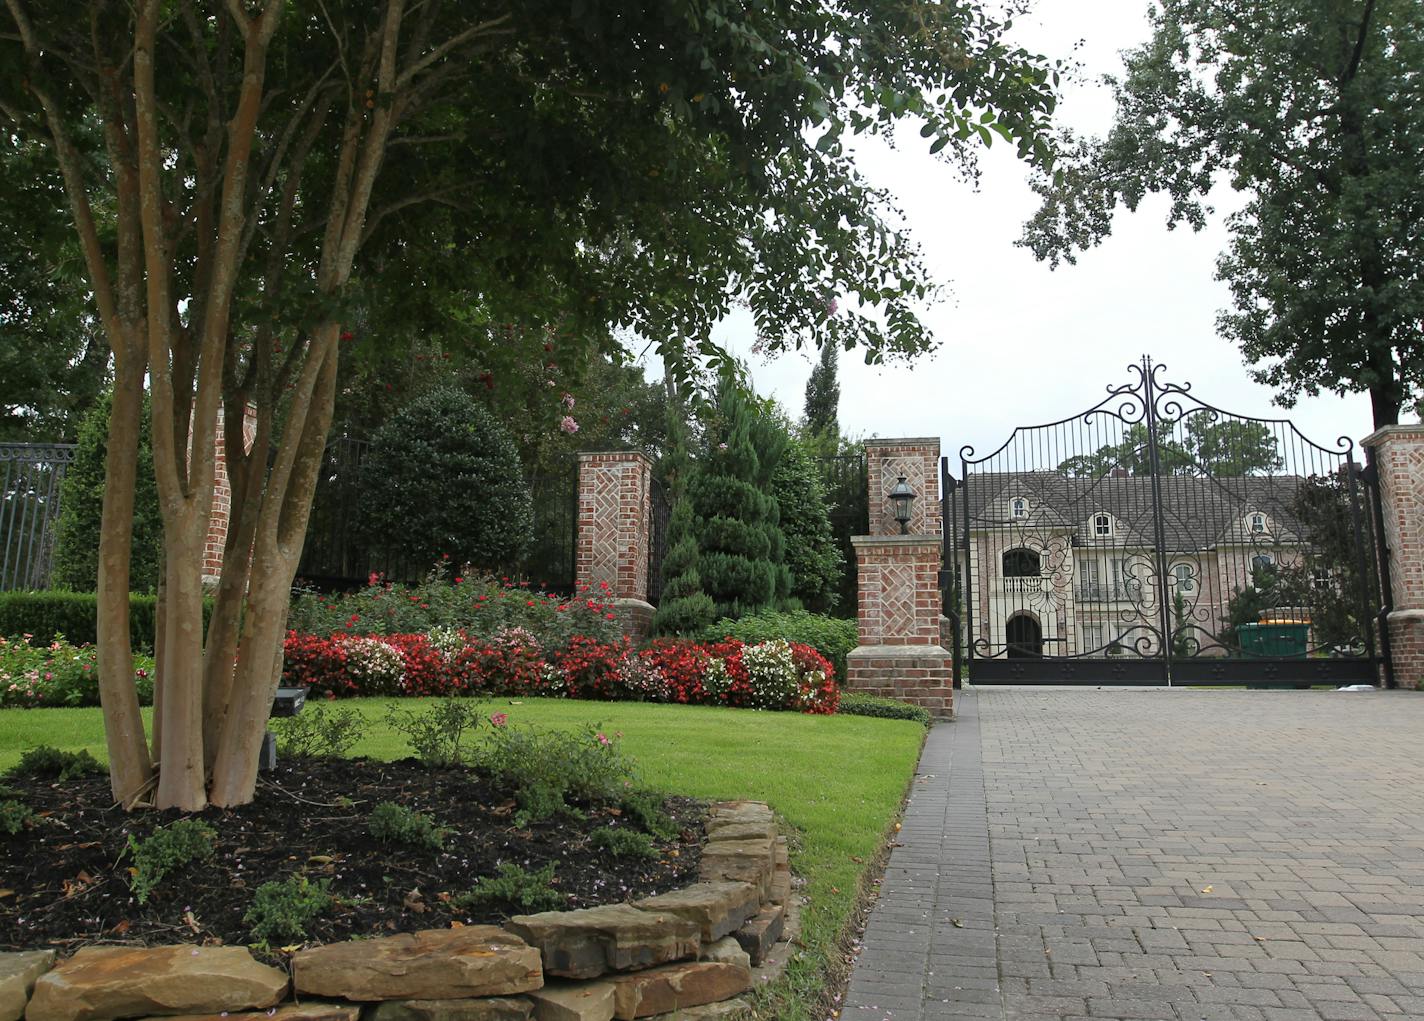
[1102,525]
[1018,507]
[1257,522]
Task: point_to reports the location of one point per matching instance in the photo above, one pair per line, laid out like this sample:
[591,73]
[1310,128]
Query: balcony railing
[1107,592]
[1026,585]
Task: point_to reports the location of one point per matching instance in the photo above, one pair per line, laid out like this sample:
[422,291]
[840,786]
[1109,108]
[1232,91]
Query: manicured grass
[838,780]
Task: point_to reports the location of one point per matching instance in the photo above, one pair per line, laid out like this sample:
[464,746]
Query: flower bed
[769,675]
[58,674]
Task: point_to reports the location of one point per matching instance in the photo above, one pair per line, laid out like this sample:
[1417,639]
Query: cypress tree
[812,555]
[823,395]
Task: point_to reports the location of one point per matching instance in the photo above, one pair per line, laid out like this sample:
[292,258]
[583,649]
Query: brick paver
[1176,854]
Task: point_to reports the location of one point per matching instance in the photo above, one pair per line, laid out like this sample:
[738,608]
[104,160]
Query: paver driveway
[1172,854]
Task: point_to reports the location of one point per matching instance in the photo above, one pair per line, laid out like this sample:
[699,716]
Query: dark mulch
[65,882]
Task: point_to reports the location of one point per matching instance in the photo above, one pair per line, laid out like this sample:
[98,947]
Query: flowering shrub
[771,675]
[59,674]
[446,603]
[375,666]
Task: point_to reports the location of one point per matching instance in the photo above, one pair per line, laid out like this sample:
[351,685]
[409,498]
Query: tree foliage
[76,544]
[1221,447]
[735,516]
[53,358]
[683,608]
[443,481]
[812,555]
[823,396]
[1310,109]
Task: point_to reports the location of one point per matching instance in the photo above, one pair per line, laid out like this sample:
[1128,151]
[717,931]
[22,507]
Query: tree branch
[490,27]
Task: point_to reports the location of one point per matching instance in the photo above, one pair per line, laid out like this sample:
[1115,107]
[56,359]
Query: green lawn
[838,780]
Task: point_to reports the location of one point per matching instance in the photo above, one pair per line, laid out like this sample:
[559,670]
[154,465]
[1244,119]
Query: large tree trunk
[129,763]
[280,531]
[245,472]
[181,767]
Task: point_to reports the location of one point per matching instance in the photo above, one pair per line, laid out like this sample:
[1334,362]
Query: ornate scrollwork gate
[1156,539]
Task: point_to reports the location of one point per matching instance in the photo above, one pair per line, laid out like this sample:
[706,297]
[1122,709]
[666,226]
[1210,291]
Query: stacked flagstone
[672,954]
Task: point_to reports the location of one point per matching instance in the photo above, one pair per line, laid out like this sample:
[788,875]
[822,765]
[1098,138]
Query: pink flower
[499,719]
[569,401]
[568,425]
[832,306]
[603,739]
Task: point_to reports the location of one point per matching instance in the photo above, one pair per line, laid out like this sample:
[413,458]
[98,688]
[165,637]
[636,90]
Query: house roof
[1199,512]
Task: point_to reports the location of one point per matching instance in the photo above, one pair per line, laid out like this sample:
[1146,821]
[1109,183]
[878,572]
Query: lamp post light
[902,496]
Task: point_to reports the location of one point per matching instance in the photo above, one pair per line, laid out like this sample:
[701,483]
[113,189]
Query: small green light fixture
[902,496]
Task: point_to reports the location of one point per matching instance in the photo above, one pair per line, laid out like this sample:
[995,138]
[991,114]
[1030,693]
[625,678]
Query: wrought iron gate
[31,476]
[1156,539]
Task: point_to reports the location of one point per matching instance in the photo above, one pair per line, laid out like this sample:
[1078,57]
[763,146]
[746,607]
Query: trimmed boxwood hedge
[854,704]
[42,615]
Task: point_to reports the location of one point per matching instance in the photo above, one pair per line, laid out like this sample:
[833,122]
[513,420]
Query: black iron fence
[30,479]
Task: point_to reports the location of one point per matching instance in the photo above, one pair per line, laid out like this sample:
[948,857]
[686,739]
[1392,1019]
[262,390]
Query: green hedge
[832,637]
[43,615]
[853,704]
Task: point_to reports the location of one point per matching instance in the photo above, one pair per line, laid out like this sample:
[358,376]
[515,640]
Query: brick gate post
[899,655]
[614,534]
[901,652]
[1399,459]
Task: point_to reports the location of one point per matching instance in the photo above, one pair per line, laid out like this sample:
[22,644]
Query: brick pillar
[899,655]
[918,460]
[1399,458]
[614,534]
[222,497]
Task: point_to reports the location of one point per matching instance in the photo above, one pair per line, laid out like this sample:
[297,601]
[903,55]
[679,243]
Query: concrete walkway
[1177,854]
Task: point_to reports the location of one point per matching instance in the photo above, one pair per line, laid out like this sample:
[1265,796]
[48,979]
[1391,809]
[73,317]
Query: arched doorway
[1024,637]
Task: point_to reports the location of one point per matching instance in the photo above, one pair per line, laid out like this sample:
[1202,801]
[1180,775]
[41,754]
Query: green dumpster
[1274,638]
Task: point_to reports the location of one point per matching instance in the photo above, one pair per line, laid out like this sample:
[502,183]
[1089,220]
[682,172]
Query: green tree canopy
[1311,109]
[1196,444]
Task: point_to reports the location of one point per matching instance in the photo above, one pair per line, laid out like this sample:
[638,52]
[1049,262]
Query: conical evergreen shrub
[683,608]
[735,516]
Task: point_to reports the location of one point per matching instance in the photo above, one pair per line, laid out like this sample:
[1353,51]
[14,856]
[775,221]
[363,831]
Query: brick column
[614,534]
[918,460]
[222,497]
[899,655]
[1399,458]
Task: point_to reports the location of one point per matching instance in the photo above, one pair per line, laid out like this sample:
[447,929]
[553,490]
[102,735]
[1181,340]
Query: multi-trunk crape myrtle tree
[245,178]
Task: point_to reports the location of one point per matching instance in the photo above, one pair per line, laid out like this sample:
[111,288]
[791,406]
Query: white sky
[1021,344]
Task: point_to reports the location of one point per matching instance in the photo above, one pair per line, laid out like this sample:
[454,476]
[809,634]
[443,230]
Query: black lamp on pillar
[902,496]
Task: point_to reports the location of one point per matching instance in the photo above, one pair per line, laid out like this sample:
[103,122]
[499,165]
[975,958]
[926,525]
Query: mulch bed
[64,883]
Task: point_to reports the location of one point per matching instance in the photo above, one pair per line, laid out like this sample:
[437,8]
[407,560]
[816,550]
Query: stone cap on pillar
[905,542]
[614,455]
[1387,432]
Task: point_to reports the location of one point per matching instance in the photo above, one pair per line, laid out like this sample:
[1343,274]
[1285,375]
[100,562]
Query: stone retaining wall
[673,954]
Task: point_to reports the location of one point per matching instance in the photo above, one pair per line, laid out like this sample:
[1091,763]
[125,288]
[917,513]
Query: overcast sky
[1022,344]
